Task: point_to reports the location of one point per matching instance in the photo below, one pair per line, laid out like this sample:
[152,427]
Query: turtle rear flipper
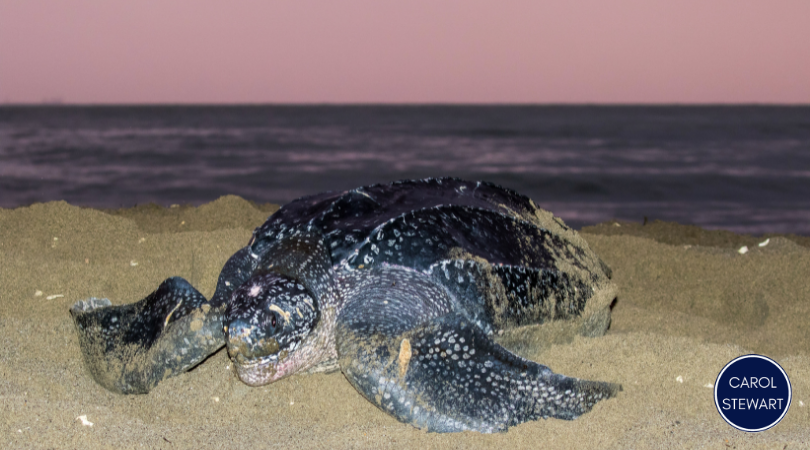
[439,371]
[130,348]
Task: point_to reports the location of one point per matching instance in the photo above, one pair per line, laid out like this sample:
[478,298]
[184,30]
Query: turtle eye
[271,323]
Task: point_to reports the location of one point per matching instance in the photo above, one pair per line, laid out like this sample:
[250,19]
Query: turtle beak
[245,342]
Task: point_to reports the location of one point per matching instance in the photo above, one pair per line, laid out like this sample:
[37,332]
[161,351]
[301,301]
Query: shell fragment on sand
[84,421]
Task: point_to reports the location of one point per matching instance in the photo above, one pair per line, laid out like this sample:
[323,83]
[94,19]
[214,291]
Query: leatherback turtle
[402,286]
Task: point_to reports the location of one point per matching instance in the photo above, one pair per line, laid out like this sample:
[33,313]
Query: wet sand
[688,303]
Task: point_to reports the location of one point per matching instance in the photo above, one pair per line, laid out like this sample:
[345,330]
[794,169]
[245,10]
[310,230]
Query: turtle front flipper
[406,352]
[130,348]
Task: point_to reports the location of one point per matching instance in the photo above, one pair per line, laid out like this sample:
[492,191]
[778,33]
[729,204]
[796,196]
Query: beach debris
[215,399]
[679,379]
[765,242]
[87,260]
[38,293]
[133,263]
[141,240]
[801,403]
[51,297]
[55,239]
[175,205]
[182,223]
[708,385]
[616,224]
[84,420]
[743,250]
[292,402]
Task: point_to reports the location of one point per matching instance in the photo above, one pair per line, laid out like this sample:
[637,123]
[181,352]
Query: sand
[688,303]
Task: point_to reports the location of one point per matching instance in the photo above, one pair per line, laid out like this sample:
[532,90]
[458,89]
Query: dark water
[745,169]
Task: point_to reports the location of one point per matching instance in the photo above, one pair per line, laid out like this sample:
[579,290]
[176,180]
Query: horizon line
[57,104]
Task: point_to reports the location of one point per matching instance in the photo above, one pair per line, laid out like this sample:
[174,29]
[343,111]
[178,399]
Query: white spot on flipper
[255,291]
[169,316]
[404,357]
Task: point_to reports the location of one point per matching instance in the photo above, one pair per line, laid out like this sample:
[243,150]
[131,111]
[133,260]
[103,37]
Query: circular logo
[752,393]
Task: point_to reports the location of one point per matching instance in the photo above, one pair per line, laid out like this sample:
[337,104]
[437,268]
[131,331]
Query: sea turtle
[402,286]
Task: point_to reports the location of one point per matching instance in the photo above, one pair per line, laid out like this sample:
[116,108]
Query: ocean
[739,168]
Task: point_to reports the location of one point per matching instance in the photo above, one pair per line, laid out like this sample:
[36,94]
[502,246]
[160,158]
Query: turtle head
[268,326]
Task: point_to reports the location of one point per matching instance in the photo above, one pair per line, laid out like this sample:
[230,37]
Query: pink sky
[524,51]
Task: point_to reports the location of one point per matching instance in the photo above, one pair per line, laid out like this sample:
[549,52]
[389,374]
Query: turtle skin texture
[407,288]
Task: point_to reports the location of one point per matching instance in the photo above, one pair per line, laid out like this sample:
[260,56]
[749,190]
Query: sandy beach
[688,303]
